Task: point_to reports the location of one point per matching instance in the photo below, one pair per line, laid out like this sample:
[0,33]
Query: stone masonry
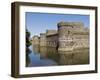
[52,38]
[35,40]
[69,36]
[72,35]
[43,39]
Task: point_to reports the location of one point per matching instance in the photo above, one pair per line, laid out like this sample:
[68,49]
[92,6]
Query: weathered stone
[35,40]
[51,32]
[72,24]
[52,38]
[43,39]
[69,36]
[72,35]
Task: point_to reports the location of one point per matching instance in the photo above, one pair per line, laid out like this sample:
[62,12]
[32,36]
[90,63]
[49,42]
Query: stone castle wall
[43,39]
[52,38]
[72,35]
[35,40]
[69,36]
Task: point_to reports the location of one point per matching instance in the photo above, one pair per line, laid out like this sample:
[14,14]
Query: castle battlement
[72,35]
[83,32]
[69,36]
[70,24]
[42,34]
[51,32]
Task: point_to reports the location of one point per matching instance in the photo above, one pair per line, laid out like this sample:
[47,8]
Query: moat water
[49,56]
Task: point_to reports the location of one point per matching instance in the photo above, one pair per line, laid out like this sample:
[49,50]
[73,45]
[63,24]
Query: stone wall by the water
[43,39]
[72,35]
[69,36]
[52,38]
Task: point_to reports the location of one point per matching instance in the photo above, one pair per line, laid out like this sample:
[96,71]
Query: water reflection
[53,54]
[75,57]
[28,51]
[49,56]
[43,52]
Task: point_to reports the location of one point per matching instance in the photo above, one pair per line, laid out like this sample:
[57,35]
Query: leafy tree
[28,42]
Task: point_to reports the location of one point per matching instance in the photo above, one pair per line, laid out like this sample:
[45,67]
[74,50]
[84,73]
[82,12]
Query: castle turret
[72,35]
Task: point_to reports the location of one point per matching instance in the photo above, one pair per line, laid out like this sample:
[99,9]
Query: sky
[37,23]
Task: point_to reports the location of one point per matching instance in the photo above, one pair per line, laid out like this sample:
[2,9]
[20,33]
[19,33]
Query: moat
[68,45]
[50,56]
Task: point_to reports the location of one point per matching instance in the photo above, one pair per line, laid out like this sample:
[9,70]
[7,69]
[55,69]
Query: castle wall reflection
[50,56]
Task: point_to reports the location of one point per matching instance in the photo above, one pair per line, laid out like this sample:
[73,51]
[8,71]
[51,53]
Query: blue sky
[38,23]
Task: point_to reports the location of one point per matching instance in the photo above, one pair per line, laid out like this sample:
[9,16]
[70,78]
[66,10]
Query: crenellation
[71,24]
[51,32]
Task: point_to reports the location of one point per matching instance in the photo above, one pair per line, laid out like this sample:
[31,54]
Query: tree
[28,42]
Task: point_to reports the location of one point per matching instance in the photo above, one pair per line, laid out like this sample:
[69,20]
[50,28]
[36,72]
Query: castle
[69,36]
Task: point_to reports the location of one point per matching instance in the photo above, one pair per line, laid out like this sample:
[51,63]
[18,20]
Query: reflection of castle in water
[67,45]
[63,57]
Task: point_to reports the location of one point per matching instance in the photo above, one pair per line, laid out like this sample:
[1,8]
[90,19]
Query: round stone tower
[66,33]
